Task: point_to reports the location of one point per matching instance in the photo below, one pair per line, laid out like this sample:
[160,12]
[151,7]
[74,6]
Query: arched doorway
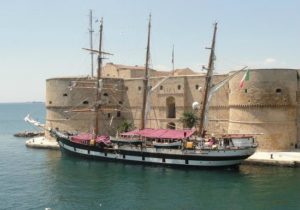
[171,125]
[171,108]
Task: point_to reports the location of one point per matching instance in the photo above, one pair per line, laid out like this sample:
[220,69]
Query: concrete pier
[42,143]
[290,159]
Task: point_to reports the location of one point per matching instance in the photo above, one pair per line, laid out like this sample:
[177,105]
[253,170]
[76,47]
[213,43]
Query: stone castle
[268,105]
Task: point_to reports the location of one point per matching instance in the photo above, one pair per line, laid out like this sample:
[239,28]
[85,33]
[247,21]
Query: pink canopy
[84,137]
[161,133]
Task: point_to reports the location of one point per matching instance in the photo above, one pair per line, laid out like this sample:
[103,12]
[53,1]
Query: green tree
[189,119]
[125,126]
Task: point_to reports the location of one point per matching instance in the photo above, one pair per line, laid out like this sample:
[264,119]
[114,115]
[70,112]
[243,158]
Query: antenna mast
[208,82]
[145,80]
[91,43]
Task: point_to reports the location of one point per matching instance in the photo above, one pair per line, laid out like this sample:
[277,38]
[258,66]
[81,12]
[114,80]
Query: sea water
[40,179]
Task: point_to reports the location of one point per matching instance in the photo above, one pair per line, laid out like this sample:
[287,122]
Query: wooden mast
[208,82]
[145,80]
[98,94]
[91,43]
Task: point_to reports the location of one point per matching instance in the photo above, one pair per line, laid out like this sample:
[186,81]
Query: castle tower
[266,104]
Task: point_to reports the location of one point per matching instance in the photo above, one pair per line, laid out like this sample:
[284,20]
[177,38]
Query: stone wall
[267,105]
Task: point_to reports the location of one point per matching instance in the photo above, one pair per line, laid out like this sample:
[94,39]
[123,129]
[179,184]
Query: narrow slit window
[118,114]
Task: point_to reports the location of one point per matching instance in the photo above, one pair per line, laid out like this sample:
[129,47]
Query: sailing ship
[161,146]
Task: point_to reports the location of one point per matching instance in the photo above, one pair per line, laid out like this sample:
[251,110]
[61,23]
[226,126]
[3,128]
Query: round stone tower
[266,105]
[70,104]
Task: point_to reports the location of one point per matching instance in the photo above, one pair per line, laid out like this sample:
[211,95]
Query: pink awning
[83,137]
[103,139]
[161,133]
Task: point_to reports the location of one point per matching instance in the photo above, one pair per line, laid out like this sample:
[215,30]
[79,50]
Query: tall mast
[98,94]
[173,70]
[145,80]
[91,43]
[208,82]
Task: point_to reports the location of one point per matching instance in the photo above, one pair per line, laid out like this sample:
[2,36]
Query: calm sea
[39,179]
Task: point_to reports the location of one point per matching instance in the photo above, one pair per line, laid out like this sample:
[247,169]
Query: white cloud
[269,60]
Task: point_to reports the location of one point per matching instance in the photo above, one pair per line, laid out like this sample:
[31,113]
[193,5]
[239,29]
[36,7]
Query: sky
[42,39]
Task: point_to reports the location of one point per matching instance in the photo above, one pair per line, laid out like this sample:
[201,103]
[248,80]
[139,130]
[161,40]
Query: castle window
[171,108]
[161,87]
[108,115]
[105,94]
[50,102]
[140,88]
[65,94]
[278,90]
[118,114]
[246,90]
[126,88]
[197,87]
[179,87]
[120,102]
[85,102]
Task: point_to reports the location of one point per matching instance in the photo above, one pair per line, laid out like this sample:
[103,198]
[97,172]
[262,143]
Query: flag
[246,77]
